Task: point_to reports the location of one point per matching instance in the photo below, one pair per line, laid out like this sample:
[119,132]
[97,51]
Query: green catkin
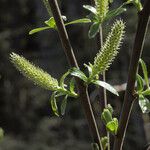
[46,3]
[109,50]
[102,7]
[35,74]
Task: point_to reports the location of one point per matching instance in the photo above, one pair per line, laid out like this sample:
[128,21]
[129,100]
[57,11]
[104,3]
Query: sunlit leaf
[78,73]
[112,126]
[106,86]
[51,22]
[83,20]
[144,104]
[90,8]
[38,30]
[94,29]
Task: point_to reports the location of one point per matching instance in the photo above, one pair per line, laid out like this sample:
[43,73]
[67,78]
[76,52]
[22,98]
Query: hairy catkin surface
[109,50]
[35,74]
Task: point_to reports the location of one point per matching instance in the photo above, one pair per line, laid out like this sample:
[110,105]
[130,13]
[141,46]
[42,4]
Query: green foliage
[1,134]
[104,141]
[109,50]
[142,91]
[110,122]
[46,81]
[106,86]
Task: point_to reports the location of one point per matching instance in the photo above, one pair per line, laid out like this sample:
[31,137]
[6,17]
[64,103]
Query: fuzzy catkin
[102,7]
[109,50]
[35,74]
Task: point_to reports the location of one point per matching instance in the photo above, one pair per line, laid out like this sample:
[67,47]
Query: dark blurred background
[25,113]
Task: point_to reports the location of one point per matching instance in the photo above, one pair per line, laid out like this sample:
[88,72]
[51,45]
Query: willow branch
[83,94]
[129,94]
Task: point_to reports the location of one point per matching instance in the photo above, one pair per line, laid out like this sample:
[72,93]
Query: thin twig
[129,94]
[83,93]
[104,79]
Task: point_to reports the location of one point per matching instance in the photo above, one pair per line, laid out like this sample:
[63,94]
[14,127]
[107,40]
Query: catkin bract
[35,74]
[109,50]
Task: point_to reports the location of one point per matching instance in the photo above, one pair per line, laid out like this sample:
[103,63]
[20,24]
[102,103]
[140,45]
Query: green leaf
[106,116]
[104,141]
[146,92]
[51,23]
[63,78]
[112,126]
[54,104]
[90,8]
[106,86]
[83,20]
[89,68]
[95,146]
[63,105]
[144,68]
[115,12]
[38,30]
[78,73]
[72,85]
[94,29]
[144,104]
[140,83]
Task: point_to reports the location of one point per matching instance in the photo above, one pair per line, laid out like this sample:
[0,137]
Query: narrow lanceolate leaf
[115,12]
[106,86]
[38,30]
[35,74]
[78,73]
[83,20]
[62,80]
[72,85]
[63,105]
[102,7]
[54,104]
[94,29]
[90,8]
[140,83]
[109,50]
[145,72]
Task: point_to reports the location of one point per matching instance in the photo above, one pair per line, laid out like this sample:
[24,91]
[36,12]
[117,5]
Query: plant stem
[104,79]
[129,94]
[83,93]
